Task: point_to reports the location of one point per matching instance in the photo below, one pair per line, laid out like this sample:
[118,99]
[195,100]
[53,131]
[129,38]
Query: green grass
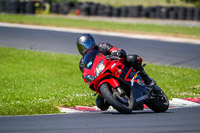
[183,31]
[38,82]
[141,2]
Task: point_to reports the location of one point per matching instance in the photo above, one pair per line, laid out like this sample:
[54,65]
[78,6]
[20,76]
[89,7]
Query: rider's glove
[119,53]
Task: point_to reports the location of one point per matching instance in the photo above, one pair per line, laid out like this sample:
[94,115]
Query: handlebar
[111,57]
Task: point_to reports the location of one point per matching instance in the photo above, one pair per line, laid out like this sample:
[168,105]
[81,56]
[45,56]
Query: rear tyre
[158,104]
[113,101]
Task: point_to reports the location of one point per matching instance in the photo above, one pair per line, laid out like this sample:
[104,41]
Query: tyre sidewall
[106,93]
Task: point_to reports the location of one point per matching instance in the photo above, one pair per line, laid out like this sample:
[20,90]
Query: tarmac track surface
[174,120]
[153,51]
[186,120]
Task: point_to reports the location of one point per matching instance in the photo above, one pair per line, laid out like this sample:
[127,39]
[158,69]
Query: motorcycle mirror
[144,65]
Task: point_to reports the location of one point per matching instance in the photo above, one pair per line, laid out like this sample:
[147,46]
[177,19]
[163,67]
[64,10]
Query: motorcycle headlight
[89,78]
[100,67]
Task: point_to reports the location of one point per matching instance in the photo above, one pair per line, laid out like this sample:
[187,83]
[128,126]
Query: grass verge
[141,2]
[38,82]
[181,31]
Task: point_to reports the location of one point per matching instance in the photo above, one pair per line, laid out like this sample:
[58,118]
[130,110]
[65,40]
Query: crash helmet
[85,43]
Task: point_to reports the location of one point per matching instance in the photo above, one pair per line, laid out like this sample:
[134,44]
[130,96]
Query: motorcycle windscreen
[90,57]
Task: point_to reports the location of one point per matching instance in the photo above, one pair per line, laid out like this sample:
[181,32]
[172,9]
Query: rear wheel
[123,105]
[158,103]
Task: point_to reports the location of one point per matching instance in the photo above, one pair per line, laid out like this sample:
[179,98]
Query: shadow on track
[135,112]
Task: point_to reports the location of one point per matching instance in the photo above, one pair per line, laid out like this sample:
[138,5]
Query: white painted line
[106,33]
[68,110]
[174,104]
[184,102]
[95,108]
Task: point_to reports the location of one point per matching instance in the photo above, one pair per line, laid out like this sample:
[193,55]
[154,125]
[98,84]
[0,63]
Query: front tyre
[102,103]
[114,102]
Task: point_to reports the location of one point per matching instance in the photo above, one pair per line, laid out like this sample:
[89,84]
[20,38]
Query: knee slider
[132,59]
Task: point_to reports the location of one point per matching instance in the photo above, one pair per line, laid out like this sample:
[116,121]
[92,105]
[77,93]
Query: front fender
[113,82]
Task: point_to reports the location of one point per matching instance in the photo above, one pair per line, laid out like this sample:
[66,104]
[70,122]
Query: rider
[86,43]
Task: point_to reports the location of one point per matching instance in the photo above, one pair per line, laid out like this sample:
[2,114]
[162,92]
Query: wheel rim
[125,100]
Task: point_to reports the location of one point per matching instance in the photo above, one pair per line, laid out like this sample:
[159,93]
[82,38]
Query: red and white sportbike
[121,87]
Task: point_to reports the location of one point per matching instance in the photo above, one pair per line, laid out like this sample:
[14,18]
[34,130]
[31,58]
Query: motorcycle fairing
[117,70]
[94,58]
[140,93]
[89,58]
[133,79]
[113,82]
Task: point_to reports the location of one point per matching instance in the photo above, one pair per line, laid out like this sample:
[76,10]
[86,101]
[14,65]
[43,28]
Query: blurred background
[154,9]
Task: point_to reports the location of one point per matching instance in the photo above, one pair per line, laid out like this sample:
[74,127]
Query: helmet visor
[85,44]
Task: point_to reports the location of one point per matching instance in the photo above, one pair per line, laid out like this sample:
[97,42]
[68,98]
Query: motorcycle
[119,86]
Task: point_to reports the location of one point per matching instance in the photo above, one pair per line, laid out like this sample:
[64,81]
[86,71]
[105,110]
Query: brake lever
[108,57]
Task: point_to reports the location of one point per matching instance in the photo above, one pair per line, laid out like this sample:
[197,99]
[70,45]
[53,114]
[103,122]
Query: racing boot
[147,80]
[151,85]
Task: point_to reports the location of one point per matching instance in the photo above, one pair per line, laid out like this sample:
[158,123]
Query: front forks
[120,95]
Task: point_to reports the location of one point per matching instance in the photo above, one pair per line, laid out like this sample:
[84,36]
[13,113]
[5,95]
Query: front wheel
[102,103]
[158,104]
[121,106]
